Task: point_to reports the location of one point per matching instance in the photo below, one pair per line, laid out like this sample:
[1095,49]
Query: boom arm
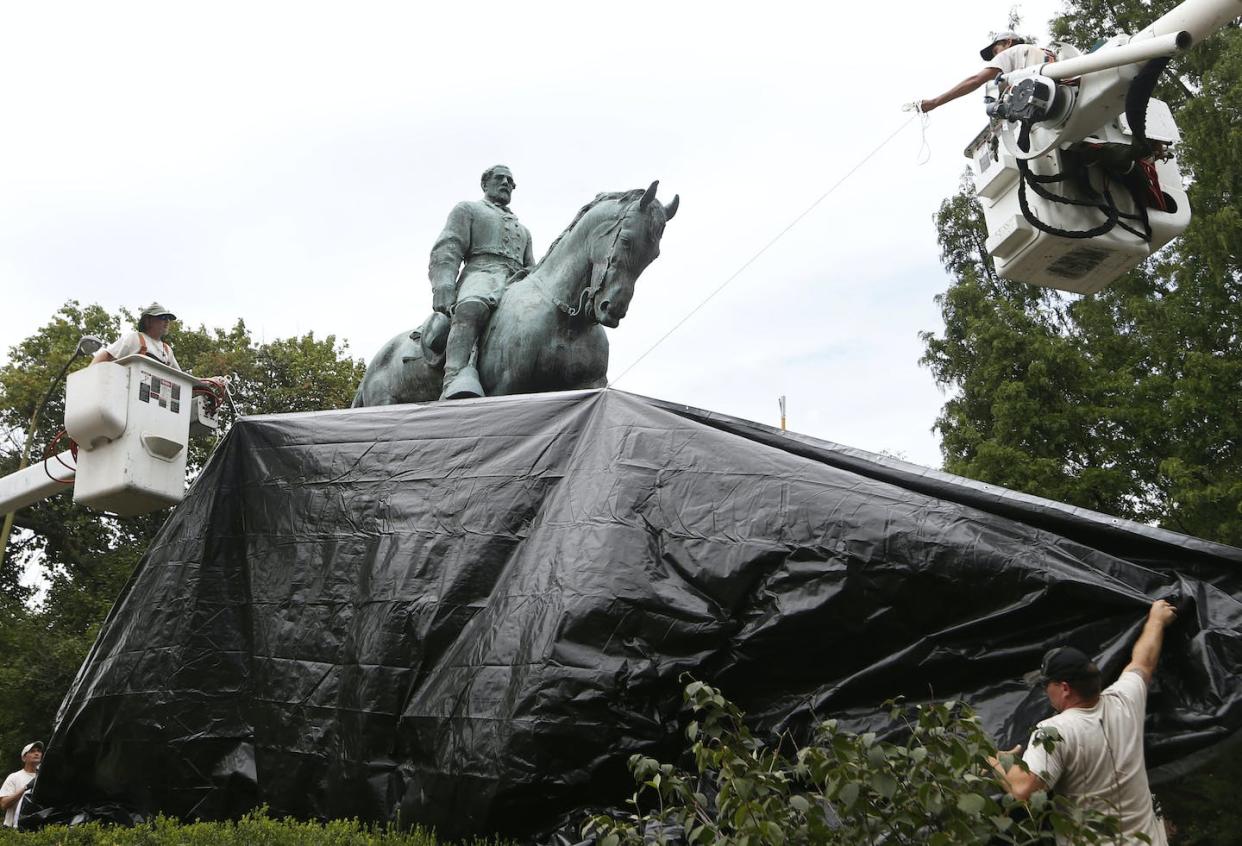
[36,483]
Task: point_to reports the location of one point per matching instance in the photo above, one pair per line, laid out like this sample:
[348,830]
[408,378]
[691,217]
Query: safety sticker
[156,390]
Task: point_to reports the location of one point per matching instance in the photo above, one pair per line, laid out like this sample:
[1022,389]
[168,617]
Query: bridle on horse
[599,273]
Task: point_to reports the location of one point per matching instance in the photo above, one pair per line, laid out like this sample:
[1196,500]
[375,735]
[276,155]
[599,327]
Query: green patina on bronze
[539,328]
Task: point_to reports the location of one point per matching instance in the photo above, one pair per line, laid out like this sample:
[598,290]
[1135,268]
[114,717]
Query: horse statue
[547,331]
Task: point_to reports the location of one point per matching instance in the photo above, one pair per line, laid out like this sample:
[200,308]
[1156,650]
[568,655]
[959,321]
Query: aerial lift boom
[1077,175]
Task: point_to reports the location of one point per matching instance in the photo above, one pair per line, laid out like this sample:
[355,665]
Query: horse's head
[621,250]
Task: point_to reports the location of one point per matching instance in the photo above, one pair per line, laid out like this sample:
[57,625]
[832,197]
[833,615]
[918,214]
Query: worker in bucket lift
[1005,53]
[153,325]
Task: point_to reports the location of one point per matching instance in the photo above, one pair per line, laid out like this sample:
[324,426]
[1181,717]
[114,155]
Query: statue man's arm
[447,255]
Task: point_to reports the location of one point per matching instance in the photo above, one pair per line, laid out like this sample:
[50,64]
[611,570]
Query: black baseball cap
[1064,663]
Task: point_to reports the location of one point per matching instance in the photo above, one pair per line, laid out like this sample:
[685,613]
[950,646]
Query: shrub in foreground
[255,829]
[935,788]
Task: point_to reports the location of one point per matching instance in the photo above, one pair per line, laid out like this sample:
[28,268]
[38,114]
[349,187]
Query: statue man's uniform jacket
[492,243]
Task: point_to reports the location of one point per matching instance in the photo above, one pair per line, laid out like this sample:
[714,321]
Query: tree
[1127,401]
[83,558]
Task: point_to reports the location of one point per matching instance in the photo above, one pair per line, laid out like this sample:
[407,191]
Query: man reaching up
[1098,759]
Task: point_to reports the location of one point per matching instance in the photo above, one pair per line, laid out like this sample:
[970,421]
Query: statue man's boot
[461,379]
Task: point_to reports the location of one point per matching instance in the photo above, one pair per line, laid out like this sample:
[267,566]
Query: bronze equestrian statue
[547,331]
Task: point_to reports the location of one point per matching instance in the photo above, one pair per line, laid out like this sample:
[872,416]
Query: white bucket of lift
[131,420]
[1025,253]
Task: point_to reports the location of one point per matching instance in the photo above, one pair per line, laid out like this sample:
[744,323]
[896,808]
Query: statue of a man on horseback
[482,247]
[546,332]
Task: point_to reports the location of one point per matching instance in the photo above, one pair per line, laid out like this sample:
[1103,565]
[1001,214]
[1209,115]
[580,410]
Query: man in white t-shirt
[1096,757]
[153,325]
[1005,53]
[15,785]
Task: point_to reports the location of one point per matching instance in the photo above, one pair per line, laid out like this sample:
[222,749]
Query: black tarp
[469,614]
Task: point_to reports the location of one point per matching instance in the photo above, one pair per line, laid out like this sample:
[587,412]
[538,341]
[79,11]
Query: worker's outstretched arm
[963,88]
[1146,652]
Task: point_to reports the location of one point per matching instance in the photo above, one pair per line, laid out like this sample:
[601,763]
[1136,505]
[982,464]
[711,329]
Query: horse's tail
[358,403]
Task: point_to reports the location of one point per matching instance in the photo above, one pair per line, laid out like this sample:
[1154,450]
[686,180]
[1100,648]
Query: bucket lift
[132,421]
[1076,174]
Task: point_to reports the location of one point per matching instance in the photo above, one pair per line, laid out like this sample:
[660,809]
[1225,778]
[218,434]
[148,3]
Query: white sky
[291,164]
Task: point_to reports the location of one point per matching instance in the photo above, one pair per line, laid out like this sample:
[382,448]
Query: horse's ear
[671,208]
[649,196]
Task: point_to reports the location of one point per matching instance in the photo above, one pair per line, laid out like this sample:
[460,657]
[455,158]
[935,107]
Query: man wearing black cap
[1005,52]
[1096,757]
[15,785]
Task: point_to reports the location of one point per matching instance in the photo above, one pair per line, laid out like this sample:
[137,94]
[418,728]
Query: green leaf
[884,784]
[849,794]
[876,756]
[971,803]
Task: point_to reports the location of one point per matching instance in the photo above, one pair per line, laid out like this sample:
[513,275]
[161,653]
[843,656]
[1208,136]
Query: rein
[587,297]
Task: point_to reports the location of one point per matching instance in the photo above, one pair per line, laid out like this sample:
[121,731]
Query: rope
[763,250]
[924,146]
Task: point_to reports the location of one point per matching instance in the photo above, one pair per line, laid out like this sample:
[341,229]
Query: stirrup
[463,386]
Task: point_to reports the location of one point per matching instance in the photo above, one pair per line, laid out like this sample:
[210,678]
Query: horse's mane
[627,196]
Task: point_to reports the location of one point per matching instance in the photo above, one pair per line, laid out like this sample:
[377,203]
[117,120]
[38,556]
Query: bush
[934,789]
[255,829]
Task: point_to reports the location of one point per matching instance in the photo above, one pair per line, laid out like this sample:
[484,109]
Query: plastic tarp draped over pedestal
[469,614]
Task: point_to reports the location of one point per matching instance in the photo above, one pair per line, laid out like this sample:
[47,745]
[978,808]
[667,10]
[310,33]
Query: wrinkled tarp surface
[469,614]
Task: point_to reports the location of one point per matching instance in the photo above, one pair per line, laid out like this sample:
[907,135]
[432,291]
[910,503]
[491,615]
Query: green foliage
[934,787]
[255,829]
[1125,401]
[83,557]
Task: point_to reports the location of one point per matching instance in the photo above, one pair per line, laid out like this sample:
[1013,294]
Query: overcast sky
[292,164]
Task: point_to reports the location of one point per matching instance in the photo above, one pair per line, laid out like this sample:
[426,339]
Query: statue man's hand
[442,299]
